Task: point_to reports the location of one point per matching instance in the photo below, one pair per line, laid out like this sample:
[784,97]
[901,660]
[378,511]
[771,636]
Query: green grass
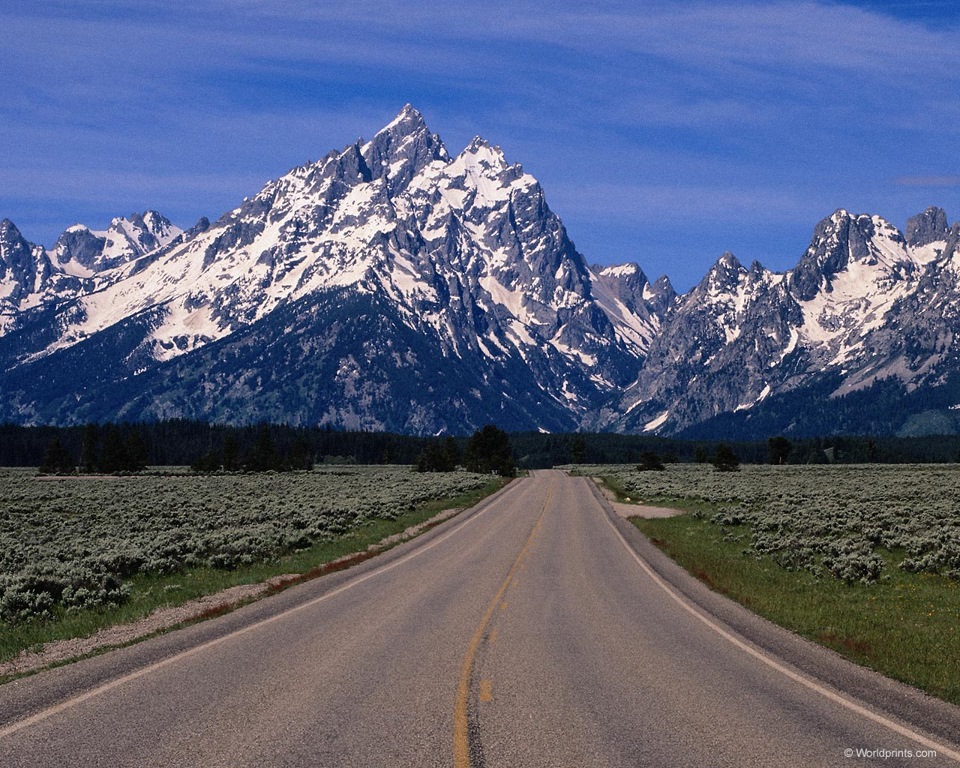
[906,626]
[150,591]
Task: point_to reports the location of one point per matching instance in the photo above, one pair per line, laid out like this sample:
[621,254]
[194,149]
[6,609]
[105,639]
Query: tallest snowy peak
[408,120]
[402,148]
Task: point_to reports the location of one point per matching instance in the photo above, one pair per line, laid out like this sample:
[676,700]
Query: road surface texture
[537,629]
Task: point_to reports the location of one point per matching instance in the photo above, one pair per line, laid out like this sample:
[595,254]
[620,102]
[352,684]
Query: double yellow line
[461,728]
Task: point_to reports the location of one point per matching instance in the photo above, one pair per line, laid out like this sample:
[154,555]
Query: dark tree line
[262,456]
[123,447]
[185,443]
[489,450]
[439,456]
[107,449]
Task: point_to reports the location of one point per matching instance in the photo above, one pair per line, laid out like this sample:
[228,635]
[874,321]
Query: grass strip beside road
[150,592]
[906,627]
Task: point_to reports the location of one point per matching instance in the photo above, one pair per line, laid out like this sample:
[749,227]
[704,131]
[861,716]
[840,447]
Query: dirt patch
[629,509]
[850,644]
[205,607]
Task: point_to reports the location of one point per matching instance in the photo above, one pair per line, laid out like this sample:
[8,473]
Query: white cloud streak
[624,109]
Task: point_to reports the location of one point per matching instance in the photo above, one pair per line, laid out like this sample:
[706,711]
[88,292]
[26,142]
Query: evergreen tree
[451,452]
[650,462]
[135,451]
[57,460]
[578,449]
[433,459]
[90,449]
[437,457]
[209,462]
[778,449]
[301,456]
[725,460]
[489,451]
[113,456]
[389,457]
[264,456]
[231,453]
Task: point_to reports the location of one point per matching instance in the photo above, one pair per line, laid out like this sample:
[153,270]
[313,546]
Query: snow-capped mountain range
[394,286]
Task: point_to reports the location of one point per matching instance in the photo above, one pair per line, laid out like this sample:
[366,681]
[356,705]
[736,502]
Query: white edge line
[93,692]
[814,686]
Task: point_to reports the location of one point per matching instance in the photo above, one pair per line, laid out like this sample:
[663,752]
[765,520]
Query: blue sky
[663,133]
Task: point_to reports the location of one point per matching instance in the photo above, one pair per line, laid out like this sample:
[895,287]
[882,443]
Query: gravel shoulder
[628,510]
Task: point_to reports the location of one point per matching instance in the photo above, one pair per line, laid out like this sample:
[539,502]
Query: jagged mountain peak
[488,157]
[843,239]
[481,147]
[408,120]
[723,276]
[83,252]
[401,149]
[480,178]
[657,295]
[928,227]
[15,253]
[9,231]
[25,269]
[662,291]
[728,261]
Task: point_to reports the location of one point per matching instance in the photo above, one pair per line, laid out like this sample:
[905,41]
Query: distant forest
[188,443]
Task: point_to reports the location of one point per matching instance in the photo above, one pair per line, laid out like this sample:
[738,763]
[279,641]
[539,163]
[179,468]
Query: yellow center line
[486,691]
[461,729]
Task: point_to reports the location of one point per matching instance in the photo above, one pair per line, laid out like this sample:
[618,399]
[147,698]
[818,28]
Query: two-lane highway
[527,633]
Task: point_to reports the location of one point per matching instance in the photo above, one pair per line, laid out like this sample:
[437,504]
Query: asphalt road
[535,630]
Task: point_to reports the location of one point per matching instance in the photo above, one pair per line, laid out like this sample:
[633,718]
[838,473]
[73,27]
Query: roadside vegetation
[79,554]
[862,559]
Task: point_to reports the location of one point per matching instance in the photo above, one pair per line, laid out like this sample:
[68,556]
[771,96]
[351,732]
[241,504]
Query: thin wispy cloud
[929,181]
[830,104]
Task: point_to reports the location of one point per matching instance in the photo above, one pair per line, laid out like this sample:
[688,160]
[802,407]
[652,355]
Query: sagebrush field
[72,544]
[843,521]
